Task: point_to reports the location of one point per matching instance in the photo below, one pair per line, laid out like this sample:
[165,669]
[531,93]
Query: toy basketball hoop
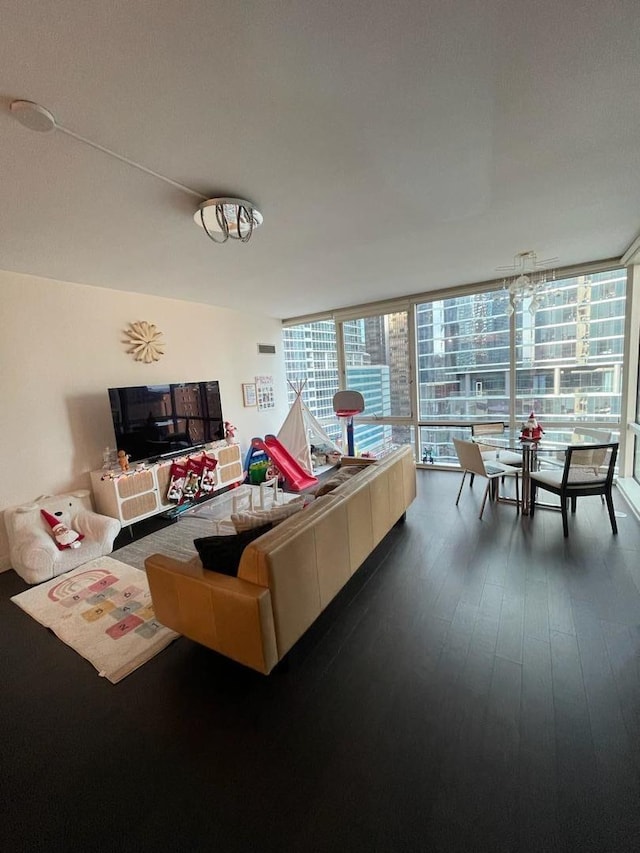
[346,404]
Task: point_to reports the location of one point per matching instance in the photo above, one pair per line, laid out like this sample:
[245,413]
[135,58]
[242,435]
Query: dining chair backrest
[470,457]
[579,470]
[493,428]
[601,435]
[599,455]
[472,462]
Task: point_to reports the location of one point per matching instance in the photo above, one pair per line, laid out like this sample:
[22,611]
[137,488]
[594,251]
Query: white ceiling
[393,147]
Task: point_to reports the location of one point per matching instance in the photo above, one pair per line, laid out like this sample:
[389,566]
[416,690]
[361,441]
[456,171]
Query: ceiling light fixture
[529,283]
[226,217]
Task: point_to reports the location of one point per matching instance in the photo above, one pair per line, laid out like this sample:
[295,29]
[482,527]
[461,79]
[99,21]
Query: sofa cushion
[341,476]
[222,553]
[249,519]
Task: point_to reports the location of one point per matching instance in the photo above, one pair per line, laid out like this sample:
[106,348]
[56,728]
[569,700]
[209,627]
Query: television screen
[151,421]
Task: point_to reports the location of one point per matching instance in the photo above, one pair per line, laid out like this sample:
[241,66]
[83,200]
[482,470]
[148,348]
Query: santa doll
[64,536]
[532,431]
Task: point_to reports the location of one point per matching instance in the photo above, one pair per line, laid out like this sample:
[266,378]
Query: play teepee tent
[301,429]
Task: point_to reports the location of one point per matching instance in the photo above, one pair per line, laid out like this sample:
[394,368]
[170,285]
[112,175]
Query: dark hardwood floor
[476,686]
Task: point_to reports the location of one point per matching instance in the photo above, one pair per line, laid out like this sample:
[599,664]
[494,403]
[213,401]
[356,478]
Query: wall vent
[267,349]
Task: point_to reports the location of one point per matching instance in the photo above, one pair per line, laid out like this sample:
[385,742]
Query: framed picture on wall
[249,397]
[264,393]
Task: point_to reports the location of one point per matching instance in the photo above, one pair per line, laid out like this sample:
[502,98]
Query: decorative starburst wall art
[144,342]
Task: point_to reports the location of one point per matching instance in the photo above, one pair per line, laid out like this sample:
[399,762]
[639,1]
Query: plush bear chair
[34,553]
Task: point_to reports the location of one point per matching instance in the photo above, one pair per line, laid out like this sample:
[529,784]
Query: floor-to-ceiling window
[311,362]
[569,354]
[377,363]
[636,441]
[428,371]
[374,360]
[463,368]
[635,433]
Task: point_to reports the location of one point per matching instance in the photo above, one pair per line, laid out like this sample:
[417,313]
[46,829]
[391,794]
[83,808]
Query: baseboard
[631,491]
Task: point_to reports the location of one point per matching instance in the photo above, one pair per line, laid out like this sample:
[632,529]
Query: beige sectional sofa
[288,575]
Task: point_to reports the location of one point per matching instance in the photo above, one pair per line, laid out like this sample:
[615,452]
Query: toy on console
[531,430]
[123,460]
[230,432]
[65,538]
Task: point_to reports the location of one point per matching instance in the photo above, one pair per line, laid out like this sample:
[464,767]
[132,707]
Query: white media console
[140,493]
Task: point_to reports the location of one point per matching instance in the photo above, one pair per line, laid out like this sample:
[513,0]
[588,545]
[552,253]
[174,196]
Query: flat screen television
[155,421]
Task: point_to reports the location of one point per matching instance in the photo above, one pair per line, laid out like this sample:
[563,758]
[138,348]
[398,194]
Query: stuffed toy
[65,538]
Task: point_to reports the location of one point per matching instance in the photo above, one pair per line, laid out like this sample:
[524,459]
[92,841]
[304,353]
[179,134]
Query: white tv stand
[133,495]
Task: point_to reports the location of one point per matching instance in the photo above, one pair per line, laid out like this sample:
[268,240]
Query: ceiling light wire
[39,118]
[129,162]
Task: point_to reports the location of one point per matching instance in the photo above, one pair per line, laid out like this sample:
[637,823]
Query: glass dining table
[534,453]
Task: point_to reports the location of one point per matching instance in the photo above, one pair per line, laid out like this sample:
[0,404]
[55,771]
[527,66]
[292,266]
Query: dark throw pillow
[222,553]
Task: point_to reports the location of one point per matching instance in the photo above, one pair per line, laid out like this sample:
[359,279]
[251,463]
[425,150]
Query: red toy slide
[294,474]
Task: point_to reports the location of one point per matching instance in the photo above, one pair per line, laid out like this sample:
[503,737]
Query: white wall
[61,348]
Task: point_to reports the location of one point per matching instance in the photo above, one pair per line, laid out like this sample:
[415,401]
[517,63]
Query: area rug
[102,610]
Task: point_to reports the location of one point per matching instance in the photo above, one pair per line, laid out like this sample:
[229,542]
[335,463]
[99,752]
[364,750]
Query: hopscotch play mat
[102,610]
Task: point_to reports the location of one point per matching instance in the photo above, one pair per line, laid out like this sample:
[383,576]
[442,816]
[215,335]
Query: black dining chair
[579,478]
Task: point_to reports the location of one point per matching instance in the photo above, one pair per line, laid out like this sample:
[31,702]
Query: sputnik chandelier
[221,218]
[528,284]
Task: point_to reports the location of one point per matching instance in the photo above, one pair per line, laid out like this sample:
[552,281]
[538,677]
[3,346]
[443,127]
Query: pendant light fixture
[529,282]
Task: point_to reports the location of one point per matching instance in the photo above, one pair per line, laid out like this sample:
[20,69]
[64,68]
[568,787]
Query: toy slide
[295,476]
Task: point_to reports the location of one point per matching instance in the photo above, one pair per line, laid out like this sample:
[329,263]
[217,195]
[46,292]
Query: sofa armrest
[100,528]
[34,555]
[227,614]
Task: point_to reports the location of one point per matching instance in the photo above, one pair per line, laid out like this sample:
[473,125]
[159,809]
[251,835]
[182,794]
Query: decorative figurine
[531,431]
[229,432]
[123,460]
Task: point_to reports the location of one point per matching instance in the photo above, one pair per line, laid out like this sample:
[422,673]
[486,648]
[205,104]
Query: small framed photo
[249,397]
